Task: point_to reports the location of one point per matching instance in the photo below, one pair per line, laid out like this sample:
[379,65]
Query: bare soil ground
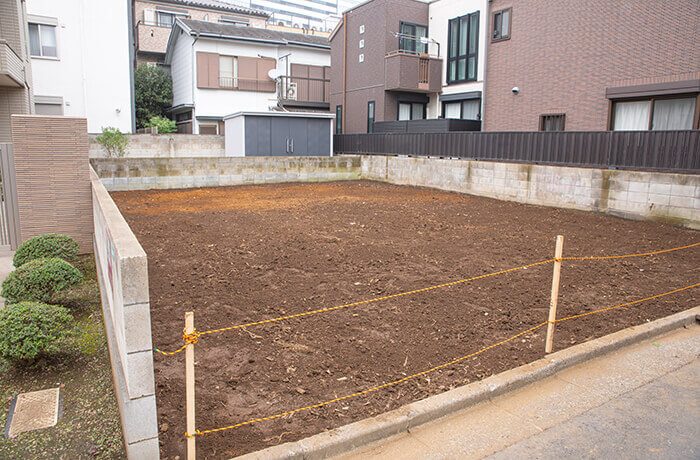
[246,253]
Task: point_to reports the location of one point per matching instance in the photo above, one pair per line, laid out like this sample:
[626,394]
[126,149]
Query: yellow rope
[370,390]
[631,255]
[416,291]
[433,369]
[355,304]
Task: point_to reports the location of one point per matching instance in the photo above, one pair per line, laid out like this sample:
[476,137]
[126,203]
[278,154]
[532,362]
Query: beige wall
[52,176]
[152,38]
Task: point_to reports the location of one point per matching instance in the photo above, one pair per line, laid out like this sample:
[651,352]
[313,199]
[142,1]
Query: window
[227,72]
[554,122]
[42,40]
[339,119]
[370,117]
[362,29]
[655,113]
[361,58]
[48,109]
[409,40]
[235,20]
[208,128]
[166,19]
[468,109]
[411,111]
[501,25]
[463,47]
[362,43]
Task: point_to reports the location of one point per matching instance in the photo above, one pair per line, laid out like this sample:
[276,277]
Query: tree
[153,93]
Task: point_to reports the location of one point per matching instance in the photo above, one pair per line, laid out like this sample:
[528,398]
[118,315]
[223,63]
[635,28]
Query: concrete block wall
[673,198]
[123,273]
[166,146]
[162,173]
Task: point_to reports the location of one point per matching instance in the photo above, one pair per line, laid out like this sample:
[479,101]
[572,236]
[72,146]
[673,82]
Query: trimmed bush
[165,125]
[31,329]
[45,246]
[39,279]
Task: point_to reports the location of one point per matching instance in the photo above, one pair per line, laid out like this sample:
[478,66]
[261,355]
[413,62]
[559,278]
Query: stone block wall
[673,198]
[164,173]
[122,269]
[166,146]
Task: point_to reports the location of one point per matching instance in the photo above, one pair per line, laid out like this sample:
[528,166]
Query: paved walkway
[639,402]
[6,268]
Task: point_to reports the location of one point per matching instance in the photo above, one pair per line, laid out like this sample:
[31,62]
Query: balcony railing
[304,89]
[247,84]
[406,71]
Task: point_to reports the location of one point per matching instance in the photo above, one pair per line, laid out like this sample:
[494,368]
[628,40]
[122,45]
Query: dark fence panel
[646,150]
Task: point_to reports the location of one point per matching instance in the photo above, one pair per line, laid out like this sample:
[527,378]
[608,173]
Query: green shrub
[113,141]
[39,279]
[165,125]
[30,329]
[43,246]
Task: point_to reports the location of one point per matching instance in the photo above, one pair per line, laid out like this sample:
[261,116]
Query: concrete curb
[349,437]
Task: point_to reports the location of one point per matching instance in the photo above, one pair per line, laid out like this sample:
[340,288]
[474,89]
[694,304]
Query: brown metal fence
[646,150]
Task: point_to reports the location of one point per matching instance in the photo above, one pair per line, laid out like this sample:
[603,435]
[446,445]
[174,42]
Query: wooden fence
[645,150]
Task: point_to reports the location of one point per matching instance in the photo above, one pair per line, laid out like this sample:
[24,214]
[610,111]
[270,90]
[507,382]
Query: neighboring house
[154,19]
[15,69]
[593,65]
[219,69]
[307,14]
[81,62]
[460,26]
[382,70]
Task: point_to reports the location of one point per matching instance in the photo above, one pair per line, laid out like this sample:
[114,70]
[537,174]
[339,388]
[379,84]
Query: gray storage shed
[278,134]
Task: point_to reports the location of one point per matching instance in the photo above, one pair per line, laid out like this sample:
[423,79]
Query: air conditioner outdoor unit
[292,91]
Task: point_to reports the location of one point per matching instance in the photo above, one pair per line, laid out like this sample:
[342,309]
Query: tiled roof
[220,5]
[232,31]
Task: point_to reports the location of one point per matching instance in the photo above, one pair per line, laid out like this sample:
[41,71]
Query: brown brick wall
[563,55]
[52,176]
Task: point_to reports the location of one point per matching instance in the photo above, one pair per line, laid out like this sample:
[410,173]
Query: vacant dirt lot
[241,254]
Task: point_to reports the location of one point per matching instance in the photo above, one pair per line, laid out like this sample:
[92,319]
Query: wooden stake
[555,294]
[189,388]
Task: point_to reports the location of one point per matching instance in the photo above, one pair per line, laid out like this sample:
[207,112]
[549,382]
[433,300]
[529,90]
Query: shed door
[319,143]
[280,129]
[257,136]
[299,136]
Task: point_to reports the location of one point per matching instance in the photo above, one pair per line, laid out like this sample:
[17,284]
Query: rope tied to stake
[190,339]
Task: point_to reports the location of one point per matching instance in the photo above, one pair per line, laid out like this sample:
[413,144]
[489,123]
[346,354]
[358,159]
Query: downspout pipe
[345,67]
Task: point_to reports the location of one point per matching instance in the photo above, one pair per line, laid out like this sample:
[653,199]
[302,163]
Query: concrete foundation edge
[136,449]
[355,435]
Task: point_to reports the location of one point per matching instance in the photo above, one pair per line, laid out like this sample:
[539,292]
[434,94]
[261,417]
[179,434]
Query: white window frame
[200,124]
[41,22]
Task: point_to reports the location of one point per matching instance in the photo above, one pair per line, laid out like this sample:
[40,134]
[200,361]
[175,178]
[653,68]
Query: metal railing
[423,70]
[644,150]
[247,84]
[304,89]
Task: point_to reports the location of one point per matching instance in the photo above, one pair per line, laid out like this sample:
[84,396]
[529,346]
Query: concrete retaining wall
[166,146]
[144,174]
[673,198]
[123,274]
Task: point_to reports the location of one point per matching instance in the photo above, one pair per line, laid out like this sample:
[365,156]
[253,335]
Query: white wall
[440,13]
[181,69]
[92,70]
[221,102]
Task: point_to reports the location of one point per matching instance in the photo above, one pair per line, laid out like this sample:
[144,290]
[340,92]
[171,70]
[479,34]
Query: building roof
[219,5]
[235,32]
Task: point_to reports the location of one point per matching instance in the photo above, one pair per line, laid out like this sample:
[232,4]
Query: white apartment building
[80,58]
[320,15]
[460,27]
[219,69]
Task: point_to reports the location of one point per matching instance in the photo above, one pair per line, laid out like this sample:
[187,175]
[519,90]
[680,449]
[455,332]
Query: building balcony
[11,67]
[304,92]
[152,38]
[418,73]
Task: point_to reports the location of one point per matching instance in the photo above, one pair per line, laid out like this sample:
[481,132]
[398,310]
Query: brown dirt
[241,254]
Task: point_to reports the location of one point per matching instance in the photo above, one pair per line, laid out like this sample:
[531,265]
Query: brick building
[592,65]
[153,20]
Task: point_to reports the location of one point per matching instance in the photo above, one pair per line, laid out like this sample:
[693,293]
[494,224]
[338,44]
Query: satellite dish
[274,74]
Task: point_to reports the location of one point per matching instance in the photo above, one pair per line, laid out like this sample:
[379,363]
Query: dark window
[339,119]
[467,109]
[462,48]
[409,38]
[411,111]
[657,113]
[42,40]
[183,116]
[501,24]
[554,122]
[370,117]
[166,19]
